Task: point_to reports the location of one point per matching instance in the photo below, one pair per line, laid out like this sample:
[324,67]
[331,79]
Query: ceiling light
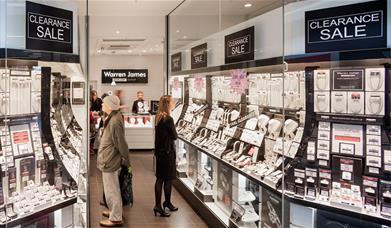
[130,51]
[144,51]
[118,32]
[184,37]
[177,31]
[99,51]
[248,5]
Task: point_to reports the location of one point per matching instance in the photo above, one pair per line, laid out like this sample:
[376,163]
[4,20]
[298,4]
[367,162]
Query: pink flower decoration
[176,83]
[198,83]
[239,81]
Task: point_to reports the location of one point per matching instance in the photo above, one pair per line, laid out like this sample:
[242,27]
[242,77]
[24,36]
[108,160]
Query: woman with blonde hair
[165,135]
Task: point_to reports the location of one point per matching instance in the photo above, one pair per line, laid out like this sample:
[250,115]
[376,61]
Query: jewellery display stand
[262,139]
[43,159]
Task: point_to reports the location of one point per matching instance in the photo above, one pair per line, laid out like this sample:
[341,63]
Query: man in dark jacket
[113,151]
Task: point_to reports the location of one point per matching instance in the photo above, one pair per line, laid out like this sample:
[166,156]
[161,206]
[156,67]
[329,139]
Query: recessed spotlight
[118,32]
[184,37]
[99,51]
[248,5]
[130,51]
[177,31]
[144,51]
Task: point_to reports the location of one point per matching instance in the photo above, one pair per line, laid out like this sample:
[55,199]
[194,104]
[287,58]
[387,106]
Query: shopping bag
[125,181]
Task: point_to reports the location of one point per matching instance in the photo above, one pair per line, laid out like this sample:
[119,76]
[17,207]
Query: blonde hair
[164,108]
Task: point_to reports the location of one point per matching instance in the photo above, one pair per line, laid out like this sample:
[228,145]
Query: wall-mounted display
[310,131]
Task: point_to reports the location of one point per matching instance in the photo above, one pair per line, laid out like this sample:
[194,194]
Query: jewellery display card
[347,139]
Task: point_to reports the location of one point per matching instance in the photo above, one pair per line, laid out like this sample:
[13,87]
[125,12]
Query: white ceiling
[145,19]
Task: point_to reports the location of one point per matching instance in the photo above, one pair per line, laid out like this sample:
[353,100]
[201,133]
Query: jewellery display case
[139,130]
[43,157]
[43,115]
[295,139]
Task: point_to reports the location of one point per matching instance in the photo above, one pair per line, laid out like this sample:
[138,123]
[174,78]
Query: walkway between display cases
[141,214]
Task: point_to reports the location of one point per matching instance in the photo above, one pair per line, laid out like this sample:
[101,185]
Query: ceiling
[137,27]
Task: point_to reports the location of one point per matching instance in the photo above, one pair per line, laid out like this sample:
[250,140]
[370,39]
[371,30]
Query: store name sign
[199,56]
[357,26]
[239,46]
[48,28]
[125,76]
[176,62]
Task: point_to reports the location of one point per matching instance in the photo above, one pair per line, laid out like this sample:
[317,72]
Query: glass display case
[297,130]
[44,117]
[140,130]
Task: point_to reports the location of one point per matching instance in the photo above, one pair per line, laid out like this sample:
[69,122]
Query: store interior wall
[154,63]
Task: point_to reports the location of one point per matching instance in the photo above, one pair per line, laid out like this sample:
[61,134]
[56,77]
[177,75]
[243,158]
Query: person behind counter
[138,105]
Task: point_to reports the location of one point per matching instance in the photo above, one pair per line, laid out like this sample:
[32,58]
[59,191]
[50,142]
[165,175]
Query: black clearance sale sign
[48,28]
[239,46]
[125,76]
[199,56]
[349,27]
[176,62]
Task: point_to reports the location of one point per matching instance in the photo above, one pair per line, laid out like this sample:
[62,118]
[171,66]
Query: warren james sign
[125,76]
[239,46]
[349,27]
[48,28]
[199,56]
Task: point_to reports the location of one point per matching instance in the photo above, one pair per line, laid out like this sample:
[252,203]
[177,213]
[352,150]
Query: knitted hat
[112,101]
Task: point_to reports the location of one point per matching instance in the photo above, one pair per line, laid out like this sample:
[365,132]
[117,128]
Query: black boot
[169,206]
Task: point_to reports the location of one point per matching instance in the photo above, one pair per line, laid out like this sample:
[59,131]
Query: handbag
[125,181]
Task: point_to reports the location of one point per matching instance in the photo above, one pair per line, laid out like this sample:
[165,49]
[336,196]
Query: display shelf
[314,203]
[35,214]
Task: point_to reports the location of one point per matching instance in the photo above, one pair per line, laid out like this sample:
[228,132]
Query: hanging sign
[239,81]
[199,56]
[176,62]
[125,76]
[239,46]
[48,28]
[349,27]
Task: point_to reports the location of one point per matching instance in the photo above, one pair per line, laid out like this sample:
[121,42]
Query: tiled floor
[141,215]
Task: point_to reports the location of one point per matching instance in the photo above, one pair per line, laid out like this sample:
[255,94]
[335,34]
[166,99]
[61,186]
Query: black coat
[165,135]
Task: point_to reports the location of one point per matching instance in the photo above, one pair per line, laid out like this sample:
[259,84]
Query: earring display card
[339,102]
[322,101]
[347,139]
[356,102]
[370,193]
[347,170]
[324,184]
[321,80]
[374,103]
[374,79]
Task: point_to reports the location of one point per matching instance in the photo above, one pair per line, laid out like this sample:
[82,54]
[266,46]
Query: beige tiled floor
[141,215]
